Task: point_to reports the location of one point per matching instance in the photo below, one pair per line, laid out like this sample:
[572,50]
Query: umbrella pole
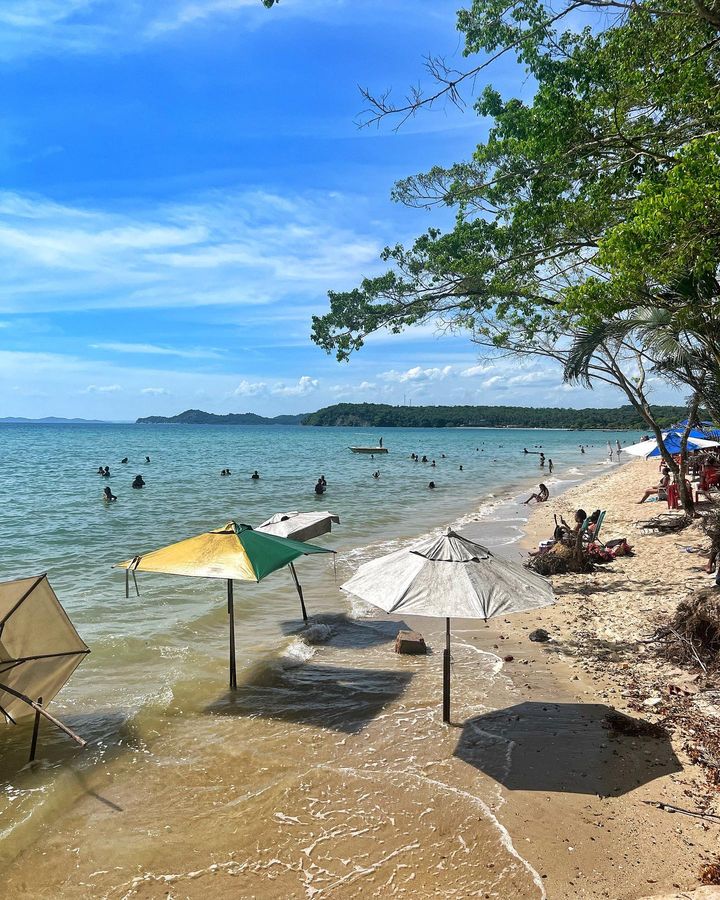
[446,673]
[43,712]
[231,613]
[36,729]
[299,590]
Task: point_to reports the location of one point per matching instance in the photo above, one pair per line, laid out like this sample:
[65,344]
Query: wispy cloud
[157,350]
[248,248]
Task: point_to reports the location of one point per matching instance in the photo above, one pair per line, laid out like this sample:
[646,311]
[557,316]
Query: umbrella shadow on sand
[341,631]
[579,748]
[334,697]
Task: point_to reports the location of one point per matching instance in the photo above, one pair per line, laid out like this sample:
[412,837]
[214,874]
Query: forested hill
[198,417]
[380,415]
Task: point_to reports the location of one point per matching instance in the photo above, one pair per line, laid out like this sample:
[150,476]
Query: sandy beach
[363,793]
[622,846]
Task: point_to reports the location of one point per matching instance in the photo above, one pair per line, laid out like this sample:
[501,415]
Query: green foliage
[381,415]
[597,200]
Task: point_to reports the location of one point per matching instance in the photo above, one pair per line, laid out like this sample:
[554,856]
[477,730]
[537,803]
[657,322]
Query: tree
[593,201]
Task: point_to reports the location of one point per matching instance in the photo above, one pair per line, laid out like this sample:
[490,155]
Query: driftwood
[693,635]
[668,807]
[666,523]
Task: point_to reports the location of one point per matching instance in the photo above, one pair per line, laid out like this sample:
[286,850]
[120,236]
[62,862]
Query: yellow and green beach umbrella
[233,552]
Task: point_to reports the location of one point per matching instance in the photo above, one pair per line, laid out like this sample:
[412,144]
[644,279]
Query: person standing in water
[138,483]
[550,466]
[255,475]
[320,487]
[380,443]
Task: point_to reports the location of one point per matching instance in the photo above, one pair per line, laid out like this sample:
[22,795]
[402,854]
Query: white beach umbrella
[449,576]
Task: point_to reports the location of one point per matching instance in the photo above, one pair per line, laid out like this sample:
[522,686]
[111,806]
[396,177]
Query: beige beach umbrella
[39,651]
[449,577]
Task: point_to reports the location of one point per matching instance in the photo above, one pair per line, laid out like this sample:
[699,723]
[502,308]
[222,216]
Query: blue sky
[183,181]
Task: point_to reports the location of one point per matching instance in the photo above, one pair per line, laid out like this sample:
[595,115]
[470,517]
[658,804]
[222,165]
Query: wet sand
[330,774]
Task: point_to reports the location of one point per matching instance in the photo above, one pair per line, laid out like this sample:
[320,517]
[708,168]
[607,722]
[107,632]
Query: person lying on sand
[660,489]
[541,496]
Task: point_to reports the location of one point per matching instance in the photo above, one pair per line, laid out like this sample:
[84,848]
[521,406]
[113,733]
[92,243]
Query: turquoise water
[159,659]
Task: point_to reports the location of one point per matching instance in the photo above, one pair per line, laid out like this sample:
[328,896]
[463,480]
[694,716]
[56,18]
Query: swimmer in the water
[106,472]
[108,495]
[431,485]
[138,482]
[255,475]
[147,459]
[424,459]
[432,464]
[461,468]
[226,472]
[124,460]
[376,474]
[320,487]
[101,470]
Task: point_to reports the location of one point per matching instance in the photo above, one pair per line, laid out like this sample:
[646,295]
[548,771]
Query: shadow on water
[343,632]
[567,747]
[107,734]
[334,697]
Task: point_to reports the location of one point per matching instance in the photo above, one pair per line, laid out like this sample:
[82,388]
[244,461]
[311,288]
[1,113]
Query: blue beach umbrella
[672,441]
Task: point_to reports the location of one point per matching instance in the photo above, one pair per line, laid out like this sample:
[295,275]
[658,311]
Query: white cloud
[155,391]
[249,388]
[417,373]
[157,350]
[472,371]
[244,248]
[305,385]
[493,382]
[102,389]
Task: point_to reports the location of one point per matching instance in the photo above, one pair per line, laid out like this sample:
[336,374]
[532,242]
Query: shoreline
[622,846]
[559,812]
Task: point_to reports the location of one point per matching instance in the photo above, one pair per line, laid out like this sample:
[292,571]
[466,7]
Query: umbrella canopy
[39,648]
[449,576]
[672,441]
[231,552]
[299,526]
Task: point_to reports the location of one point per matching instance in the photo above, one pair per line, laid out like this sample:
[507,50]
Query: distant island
[52,420]
[198,417]
[381,415]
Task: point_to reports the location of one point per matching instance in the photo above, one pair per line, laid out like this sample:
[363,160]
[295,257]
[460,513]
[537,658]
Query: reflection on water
[329,726]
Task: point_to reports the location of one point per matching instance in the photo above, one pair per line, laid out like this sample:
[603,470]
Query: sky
[182,183]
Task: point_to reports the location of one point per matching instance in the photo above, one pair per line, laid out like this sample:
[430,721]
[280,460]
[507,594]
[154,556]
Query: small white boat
[369,449]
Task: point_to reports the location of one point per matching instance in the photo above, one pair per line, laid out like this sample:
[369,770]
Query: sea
[328,772]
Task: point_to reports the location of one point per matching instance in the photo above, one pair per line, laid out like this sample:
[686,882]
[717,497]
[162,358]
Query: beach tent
[39,651]
[672,441]
[299,527]
[448,577]
[233,552]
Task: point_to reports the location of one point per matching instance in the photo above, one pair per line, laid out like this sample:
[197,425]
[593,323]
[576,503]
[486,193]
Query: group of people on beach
[702,465]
